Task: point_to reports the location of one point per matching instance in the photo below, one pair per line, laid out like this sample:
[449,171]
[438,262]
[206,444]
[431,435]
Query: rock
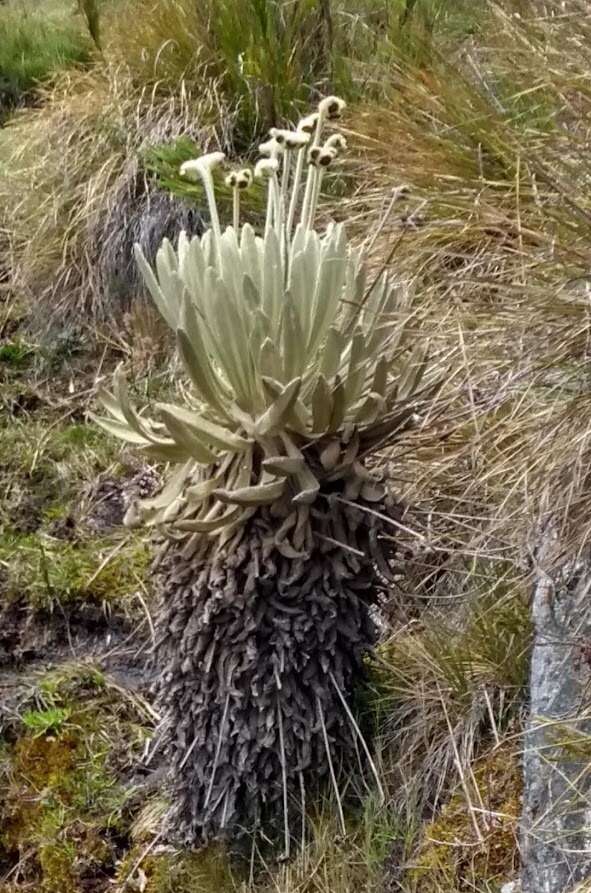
[555,836]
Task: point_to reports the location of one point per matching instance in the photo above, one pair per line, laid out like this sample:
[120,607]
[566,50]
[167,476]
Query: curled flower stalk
[276,535]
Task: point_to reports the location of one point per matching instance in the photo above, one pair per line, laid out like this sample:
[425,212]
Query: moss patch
[45,570]
[451,856]
[65,808]
[169,871]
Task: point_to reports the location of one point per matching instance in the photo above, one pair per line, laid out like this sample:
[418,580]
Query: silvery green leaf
[169,253]
[328,293]
[119,429]
[338,405]
[141,426]
[231,265]
[192,271]
[231,344]
[356,371]
[370,409]
[284,465]
[308,486]
[110,403]
[194,356]
[166,309]
[206,431]
[166,452]
[321,406]
[330,455]
[185,435]
[259,494]
[251,256]
[297,415]
[331,353]
[268,361]
[173,509]
[209,524]
[169,279]
[302,281]
[251,294]
[208,248]
[274,415]
[298,242]
[182,249]
[272,290]
[291,339]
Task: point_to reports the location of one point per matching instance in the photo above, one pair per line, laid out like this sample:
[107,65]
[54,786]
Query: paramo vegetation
[293,296]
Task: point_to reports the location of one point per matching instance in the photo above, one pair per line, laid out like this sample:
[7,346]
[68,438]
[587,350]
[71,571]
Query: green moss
[63,794]
[204,871]
[57,865]
[37,455]
[45,570]
[43,721]
[17,354]
[451,856]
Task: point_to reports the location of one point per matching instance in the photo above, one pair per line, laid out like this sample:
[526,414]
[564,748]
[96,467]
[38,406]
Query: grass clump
[43,468]
[448,685]
[266,56]
[73,208]
[35,42]
[16,354]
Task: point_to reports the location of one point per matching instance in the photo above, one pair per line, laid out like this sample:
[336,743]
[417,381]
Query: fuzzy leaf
[202,428]
[119,429]
[167,310]
[209,524]
[284,465]
[185,436]
[321,406]
[259,494]
[274,416]
[338,405]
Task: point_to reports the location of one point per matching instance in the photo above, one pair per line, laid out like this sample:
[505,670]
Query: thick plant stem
[260,653]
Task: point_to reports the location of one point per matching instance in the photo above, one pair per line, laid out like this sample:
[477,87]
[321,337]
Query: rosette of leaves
[277,535]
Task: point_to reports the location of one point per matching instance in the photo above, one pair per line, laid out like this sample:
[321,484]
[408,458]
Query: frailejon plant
[277,535]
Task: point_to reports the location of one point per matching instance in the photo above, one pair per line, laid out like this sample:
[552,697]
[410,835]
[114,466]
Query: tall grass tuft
[34,44]
[267,55]
[75,205]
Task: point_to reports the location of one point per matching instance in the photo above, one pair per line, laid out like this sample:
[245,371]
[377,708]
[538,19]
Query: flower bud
[244,178]
[314,154]
[332,107]
[291,139]
[266,167]
[327,155]
[271,148]
[336,141]
[202,165]
[308,124]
